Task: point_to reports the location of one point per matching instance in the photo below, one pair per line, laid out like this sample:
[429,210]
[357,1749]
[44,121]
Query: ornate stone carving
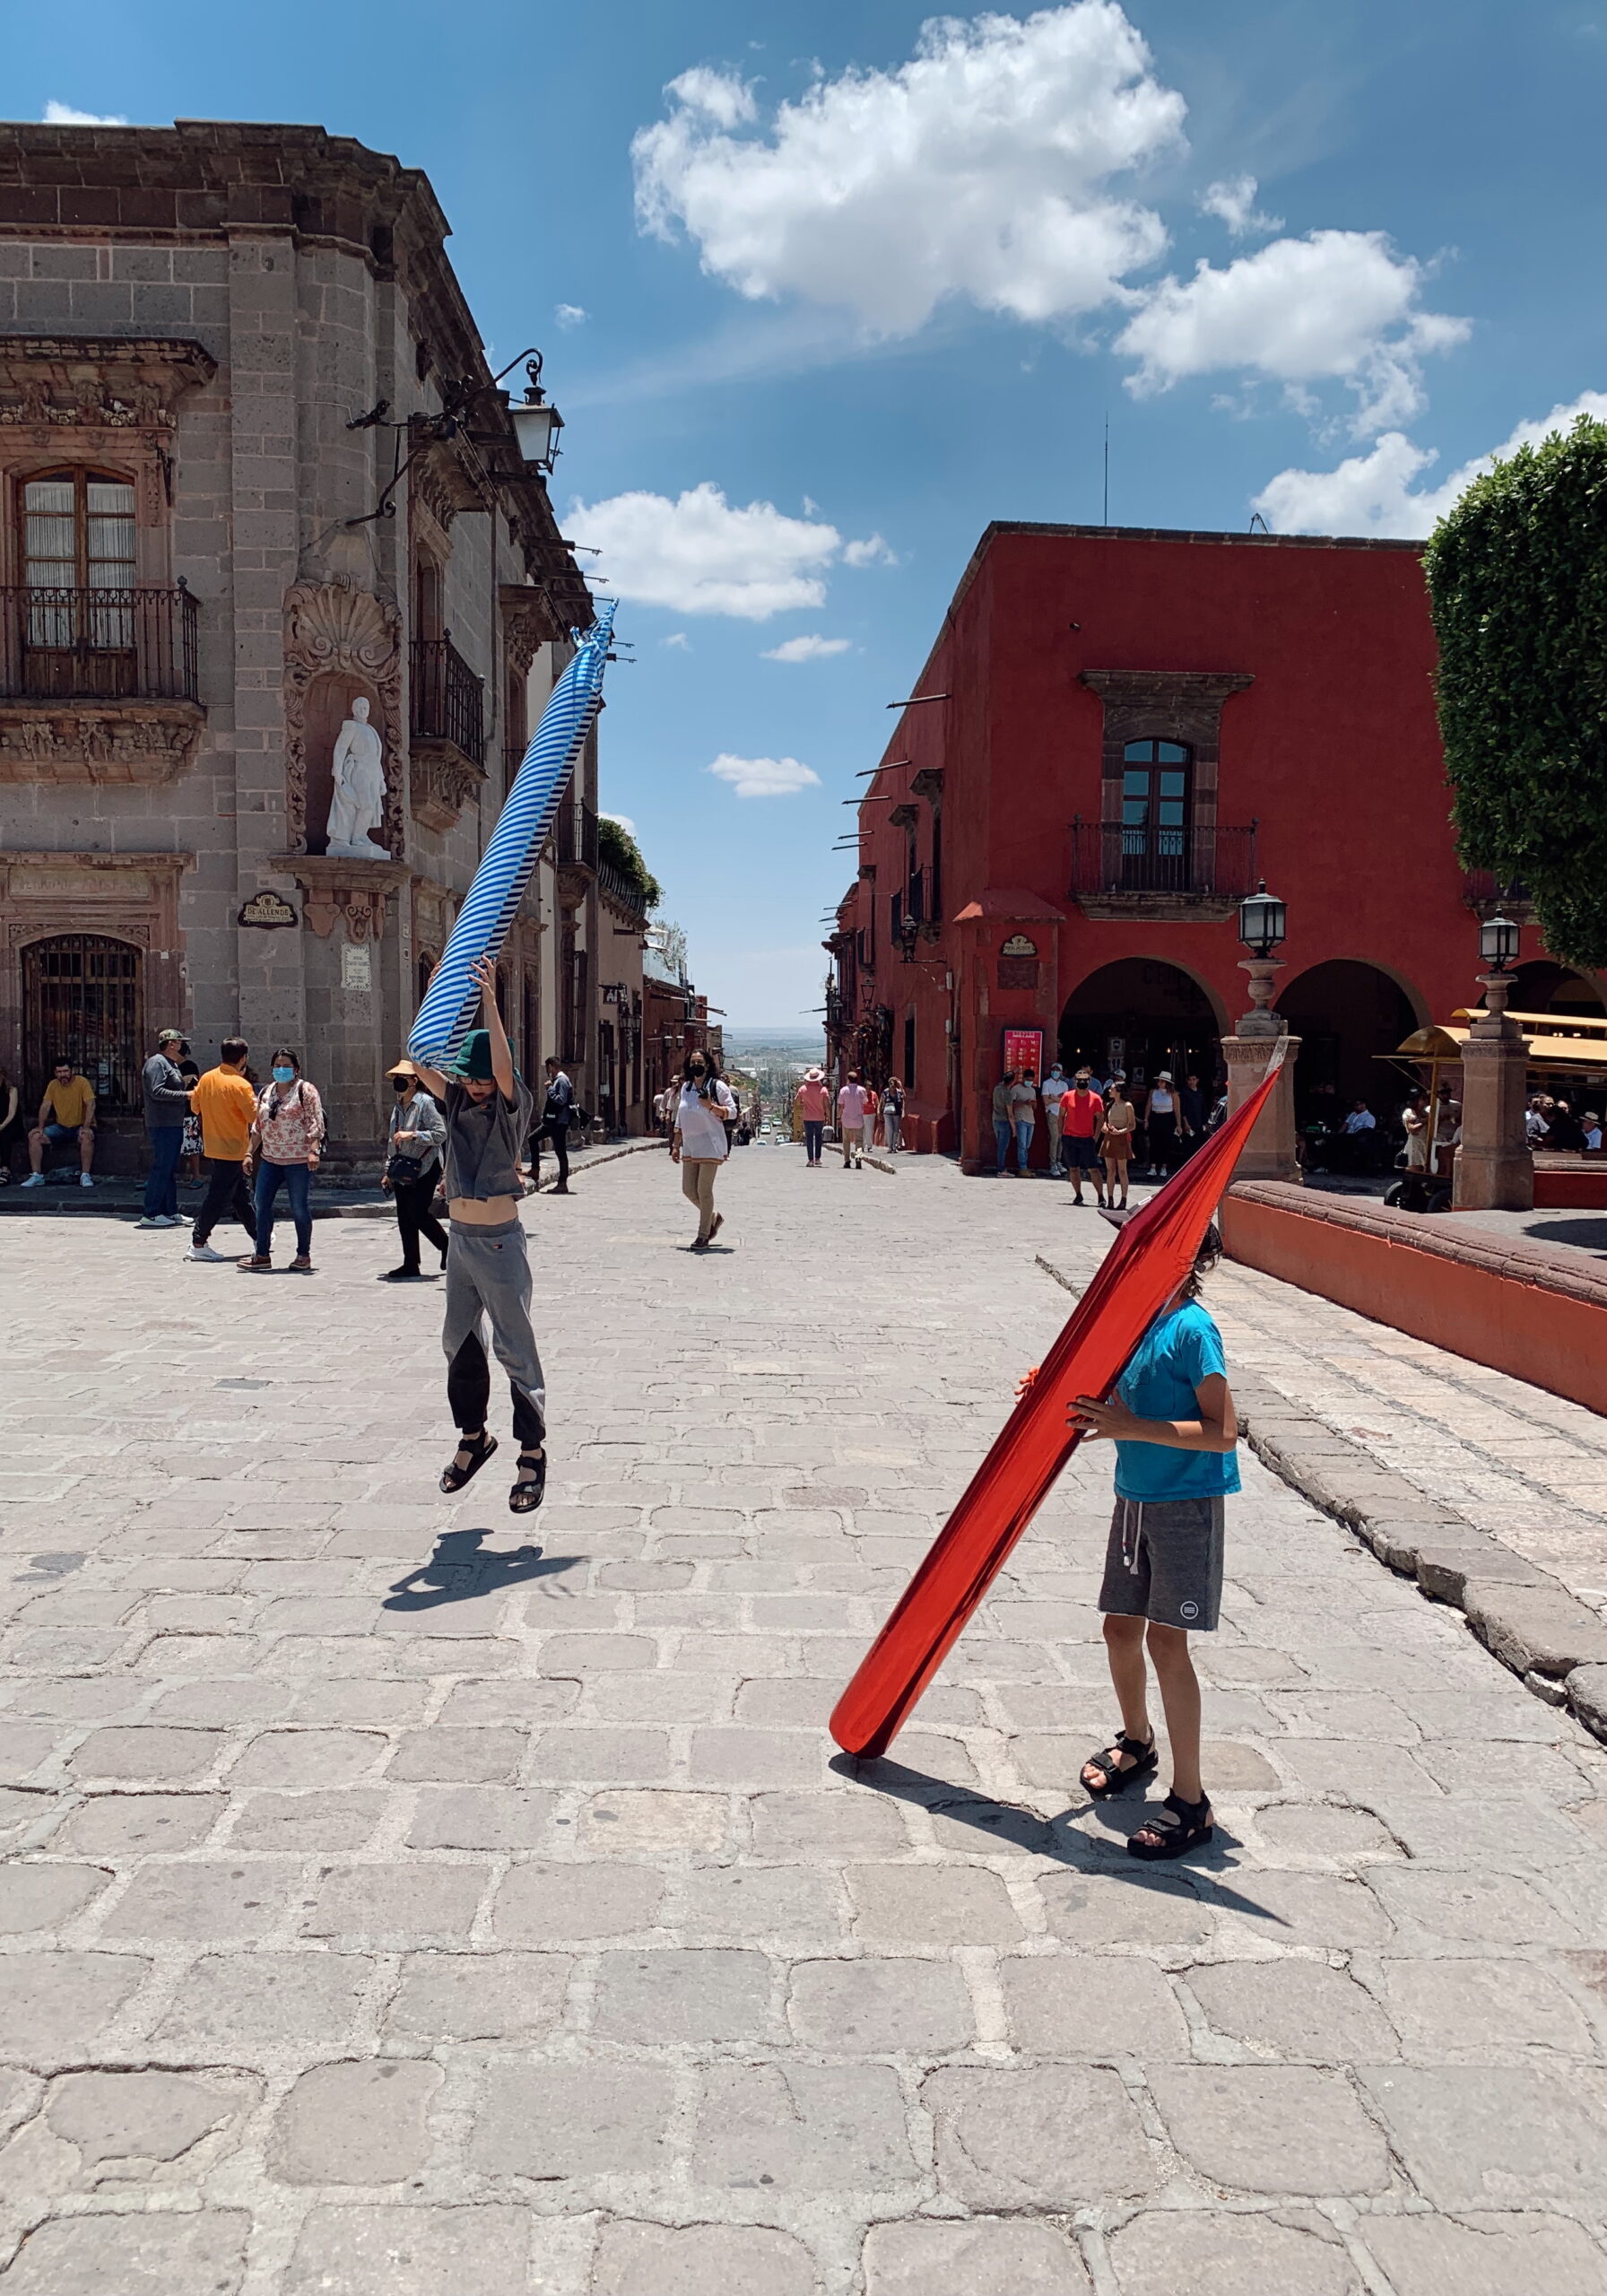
[148,743]
[441,781]
[55,383]
[335,889]
[528,621]
[443,478]
[330,626]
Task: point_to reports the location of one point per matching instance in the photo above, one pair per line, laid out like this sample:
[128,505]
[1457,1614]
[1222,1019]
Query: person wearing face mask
[488,1266]
[287,1139]
[418,1134]
[700,1144]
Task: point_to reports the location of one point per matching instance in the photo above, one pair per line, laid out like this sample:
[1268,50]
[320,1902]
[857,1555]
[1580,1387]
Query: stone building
[255,472]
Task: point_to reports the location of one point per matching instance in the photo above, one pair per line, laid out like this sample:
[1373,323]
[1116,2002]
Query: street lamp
[536,423]
[1499,942]
[1262,919]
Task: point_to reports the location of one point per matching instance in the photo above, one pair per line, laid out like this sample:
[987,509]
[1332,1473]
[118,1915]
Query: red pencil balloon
[1151,1256]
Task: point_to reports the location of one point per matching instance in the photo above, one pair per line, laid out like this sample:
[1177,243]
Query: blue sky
[850,290]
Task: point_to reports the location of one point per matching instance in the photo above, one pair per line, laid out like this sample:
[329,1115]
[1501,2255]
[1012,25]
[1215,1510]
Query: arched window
[1156,814]
[78,568]
[82,1002]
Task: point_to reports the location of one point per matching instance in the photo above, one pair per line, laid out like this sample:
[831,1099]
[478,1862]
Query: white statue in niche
[358,805]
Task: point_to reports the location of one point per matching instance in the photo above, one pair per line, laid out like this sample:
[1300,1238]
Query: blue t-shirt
[1178,1351]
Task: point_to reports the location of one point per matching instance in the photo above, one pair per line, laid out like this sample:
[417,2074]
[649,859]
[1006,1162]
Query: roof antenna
[1106,518]
[1255,520]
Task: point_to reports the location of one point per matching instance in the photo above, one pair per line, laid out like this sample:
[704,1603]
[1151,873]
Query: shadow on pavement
[459,1570]
[1007,1822]
[1587,1235]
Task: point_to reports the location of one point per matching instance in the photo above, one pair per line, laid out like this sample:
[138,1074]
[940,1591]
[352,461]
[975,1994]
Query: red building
[1117,733]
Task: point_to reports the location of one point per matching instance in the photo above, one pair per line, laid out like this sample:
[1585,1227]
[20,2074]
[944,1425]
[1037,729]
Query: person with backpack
[700,1144]
[558,1113]
[412,1164]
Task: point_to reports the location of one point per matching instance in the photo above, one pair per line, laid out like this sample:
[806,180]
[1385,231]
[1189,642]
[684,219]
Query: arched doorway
[84,1001]
[1345,1013]
[1542,987]
[1140,1016]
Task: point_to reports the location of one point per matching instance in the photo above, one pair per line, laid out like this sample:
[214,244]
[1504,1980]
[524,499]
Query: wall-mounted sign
[268,909]
[357,966]
[1024,1048]
[1018,945]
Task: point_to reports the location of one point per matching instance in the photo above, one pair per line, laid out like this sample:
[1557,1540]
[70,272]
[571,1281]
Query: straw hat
[402,1068]
[815,1077]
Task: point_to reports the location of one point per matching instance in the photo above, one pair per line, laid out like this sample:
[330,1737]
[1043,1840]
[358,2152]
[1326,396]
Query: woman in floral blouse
[287,1140]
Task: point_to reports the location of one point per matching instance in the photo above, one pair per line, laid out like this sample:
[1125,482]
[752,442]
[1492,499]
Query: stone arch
[1141,1015]
[1345,1011]
[1543,985]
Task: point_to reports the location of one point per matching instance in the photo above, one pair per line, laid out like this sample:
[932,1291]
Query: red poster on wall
[1024,1048]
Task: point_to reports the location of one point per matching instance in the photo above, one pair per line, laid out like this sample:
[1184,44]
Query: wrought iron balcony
[99,645]
[1200,866]
[575,838]
[448,700]
[1488,895]
[622,889]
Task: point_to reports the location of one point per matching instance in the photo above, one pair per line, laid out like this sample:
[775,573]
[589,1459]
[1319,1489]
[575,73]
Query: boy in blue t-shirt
[1175,1430]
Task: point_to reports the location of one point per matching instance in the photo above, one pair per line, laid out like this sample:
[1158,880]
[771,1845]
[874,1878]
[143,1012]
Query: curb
[1523,1616]
[383,1209]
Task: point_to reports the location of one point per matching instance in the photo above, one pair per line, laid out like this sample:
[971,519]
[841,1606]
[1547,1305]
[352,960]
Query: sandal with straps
[1175,1827]
[525,1498]
[479,1449]
[1107,1760]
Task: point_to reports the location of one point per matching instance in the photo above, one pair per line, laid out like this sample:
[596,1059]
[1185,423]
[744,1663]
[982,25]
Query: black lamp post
[1263,921]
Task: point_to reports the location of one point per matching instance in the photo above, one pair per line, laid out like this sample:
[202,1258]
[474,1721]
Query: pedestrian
[812,1101]
[1081,1114]
[1415,1123]
[225,1107]
[488,1109]
[11,1127]
[1055,1088]
[412,1162]
[1535,1126]
[1004,1122]
[1172,1424]
[190,1154]
[700,1144]
[1190,1114]
[1567,1133]
[1162,1124]
[167,1103]
[729,1112]
[892,1115]
[1592,1132]
[1115,1143]
[872,1116]
[66,1112]
[852,1101]
[288,1140]
[1023,1117]
[558,1109]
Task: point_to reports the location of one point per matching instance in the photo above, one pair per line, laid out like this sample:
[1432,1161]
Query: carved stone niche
[338,642]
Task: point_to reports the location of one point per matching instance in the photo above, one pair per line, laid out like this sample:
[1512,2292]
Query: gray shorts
[1164,1561]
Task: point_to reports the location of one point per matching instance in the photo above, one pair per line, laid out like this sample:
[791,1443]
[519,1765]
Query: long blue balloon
[450,1004]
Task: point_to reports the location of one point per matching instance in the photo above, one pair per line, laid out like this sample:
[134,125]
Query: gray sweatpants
[488,1274]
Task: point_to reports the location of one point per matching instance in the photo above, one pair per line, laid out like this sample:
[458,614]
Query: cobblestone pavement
[395,1908]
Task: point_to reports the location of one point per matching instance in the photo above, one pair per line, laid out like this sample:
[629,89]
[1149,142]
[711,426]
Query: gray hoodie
[167,1096]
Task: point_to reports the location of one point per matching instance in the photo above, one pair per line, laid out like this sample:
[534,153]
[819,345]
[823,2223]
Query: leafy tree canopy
[1517,579]
[620,850]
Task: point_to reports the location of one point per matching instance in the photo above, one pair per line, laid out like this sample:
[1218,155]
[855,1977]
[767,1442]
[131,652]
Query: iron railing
[1488,895]
[100,645]
[623,889]
[574,837]
[448,700]
[1201,860]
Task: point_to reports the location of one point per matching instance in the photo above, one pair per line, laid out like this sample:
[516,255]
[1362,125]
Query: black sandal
[479,1448]
[525,1498]
[1144,1758]
[1175,1827]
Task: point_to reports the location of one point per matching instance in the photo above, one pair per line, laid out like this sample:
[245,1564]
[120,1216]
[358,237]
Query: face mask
[284,1076]
[401,1083]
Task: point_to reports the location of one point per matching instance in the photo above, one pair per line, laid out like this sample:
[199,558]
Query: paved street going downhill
[401,1899]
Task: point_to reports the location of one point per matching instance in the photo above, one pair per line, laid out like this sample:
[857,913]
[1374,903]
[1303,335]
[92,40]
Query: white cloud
[1233,203]
[65,115]
[1373,494]
[806,649]
[810,507]
[1335,305]
[701,554]
[571,314]
[981,169]
[872,551]
[624,821]
[678,641]
[764,777]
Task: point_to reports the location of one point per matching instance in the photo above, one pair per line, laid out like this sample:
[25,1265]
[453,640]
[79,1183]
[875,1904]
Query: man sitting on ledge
[66,1112]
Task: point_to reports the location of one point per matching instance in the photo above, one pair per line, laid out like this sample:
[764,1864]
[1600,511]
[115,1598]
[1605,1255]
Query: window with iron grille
[81,1002]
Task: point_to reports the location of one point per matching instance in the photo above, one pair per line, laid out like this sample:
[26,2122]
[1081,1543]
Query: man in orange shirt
[226,1104]
[1082,1121]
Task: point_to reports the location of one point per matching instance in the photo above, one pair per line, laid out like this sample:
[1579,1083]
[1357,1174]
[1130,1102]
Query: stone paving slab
[396,1897]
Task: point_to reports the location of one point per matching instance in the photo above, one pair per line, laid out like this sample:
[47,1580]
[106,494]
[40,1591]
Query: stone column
[1270,1152]
[1494,1168]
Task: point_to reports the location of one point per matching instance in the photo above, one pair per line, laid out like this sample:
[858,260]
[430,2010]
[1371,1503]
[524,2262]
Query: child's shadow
[458,1570]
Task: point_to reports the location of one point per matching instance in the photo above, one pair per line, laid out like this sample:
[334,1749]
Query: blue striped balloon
[452,1000]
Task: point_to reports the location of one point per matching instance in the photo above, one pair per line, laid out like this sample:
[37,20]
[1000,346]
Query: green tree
[1517,579]
[620,850]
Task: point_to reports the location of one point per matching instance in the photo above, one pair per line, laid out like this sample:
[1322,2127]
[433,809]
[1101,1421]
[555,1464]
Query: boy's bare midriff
[487,1212]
